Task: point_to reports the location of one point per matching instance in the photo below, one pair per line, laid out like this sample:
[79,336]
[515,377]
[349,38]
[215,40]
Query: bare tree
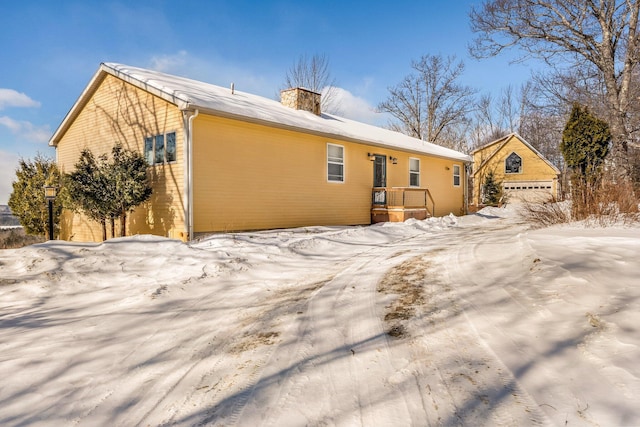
[487,126]
[493,118]
[314,74]
[602,33]
[430,100]
[406,104]
[456,137]
[508,109]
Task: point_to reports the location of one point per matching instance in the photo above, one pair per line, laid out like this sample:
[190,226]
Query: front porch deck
[397,204]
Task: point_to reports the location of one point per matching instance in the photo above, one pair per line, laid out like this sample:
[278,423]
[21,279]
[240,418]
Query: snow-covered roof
[189,94]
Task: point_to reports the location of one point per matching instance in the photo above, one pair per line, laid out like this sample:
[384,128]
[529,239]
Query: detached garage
[526,175]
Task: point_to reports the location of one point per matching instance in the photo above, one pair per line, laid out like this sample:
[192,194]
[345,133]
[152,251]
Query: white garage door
[529,191]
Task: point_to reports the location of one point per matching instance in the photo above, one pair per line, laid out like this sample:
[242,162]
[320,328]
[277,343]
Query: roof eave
[95,81]
[330,135]
[506,139]
[183,104]
[172,98]
[93,85]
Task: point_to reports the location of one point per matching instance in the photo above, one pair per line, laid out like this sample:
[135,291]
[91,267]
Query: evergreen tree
[89,188]
[106,189]
[129,182]
[491,190]
[27,201]
[585,143]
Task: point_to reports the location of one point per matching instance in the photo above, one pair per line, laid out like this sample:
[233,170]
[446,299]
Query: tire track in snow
[332,355]
[480,384]
[333,359]
[234,404]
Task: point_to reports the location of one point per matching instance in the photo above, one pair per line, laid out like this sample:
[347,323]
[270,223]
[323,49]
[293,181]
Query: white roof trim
[505,139]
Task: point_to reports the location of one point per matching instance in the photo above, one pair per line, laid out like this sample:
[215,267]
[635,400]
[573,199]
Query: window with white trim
[160,149]
[414,172]
[456,175]
[335,163]
[513,164]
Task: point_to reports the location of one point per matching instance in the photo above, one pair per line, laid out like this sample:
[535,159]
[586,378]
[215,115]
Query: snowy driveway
[470,321]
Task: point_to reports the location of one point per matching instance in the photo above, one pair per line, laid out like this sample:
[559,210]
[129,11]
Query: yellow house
[225,160]
[525,174]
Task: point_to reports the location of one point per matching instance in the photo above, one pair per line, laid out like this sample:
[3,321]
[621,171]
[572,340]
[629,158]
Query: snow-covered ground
[451,321]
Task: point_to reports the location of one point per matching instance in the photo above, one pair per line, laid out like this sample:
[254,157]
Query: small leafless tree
[493,118]
[314,74]
[430,100]
[486,125]
[601,33]
[508,109]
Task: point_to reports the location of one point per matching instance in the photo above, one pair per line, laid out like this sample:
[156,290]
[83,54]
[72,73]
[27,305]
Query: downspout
[467,176]
[189,173]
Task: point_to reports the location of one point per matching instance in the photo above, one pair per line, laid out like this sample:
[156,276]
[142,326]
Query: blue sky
[50,51]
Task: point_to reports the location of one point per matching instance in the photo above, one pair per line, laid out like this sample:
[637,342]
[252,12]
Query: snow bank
[500,325]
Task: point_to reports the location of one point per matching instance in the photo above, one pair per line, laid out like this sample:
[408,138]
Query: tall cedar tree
[27,200]
[585,143]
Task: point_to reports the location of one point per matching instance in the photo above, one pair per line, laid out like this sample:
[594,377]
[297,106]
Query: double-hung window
[414,172]
[335,163]
[160,149]
[456,175]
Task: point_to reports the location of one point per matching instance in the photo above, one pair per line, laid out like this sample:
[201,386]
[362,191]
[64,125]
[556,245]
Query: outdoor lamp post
[50,193]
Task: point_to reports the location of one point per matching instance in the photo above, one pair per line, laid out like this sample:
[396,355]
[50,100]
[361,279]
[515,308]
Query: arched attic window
[513,164]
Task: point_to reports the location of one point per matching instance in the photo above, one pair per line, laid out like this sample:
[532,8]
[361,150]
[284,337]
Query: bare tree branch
[314,74]
[430,100]
[602,33]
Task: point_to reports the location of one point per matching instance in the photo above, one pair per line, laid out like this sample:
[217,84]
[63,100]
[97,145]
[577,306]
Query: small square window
[159,149]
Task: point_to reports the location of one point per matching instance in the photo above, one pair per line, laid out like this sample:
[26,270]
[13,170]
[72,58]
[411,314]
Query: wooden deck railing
[403,198]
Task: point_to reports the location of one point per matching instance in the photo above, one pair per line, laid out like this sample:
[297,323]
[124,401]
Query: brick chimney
[301,99]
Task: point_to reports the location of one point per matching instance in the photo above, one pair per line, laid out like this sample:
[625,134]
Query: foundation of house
[397,215]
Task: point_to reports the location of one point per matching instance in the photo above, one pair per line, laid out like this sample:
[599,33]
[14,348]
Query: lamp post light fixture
[50,193]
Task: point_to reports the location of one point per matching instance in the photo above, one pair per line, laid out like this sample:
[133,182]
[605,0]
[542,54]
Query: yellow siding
[249,176]
[119,112]
[534,168]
